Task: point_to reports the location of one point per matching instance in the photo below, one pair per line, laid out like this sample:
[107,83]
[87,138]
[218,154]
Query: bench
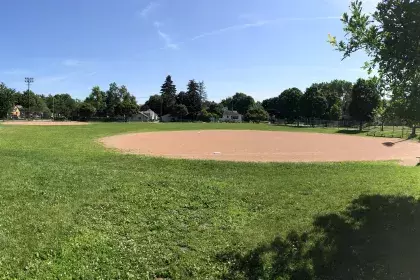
[418,159]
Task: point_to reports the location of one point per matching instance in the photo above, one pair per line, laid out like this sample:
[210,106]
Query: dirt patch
[264,146]
[42,123]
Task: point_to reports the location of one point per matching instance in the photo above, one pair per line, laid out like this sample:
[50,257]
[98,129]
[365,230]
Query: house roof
[231,113]
[149,111]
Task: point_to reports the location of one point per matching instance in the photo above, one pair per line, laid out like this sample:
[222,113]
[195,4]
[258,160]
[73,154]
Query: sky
[259,47]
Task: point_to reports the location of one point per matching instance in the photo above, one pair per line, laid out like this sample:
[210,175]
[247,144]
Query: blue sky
[259,47]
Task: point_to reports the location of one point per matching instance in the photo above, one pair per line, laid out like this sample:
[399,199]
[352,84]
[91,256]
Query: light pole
[29,81]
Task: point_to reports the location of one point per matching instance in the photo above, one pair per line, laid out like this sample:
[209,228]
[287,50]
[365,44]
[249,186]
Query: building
[145,116]
[169,118]
[151,115]
[16,112]
[231,116]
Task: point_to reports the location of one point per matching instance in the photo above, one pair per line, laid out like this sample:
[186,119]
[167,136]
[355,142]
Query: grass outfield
[69,209]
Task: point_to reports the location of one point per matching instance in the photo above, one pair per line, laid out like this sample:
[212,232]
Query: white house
[145,116]
[231,116]
[151,115]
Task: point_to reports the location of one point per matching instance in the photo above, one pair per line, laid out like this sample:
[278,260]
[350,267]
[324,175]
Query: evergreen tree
[168,93]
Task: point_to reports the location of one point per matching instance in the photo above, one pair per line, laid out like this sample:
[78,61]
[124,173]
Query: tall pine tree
[193,100]
[168,93]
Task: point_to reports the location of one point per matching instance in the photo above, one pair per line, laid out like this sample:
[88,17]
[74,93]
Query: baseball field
[76,203]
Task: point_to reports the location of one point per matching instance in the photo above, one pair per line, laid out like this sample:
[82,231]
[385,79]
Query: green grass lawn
[70,209]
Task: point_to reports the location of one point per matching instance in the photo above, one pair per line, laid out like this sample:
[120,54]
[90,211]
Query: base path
[265,146]
[42,123]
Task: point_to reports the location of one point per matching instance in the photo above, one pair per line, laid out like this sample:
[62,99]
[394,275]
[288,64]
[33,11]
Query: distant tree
[215,109]
[112,99]
[313,104]
[365,99]
[272,106]
[168,94]
[289,103]
[239,102]
[6,100]
[180,110]
[86,110]
[97,98]
[33,104]
[256,113]
[127,108]
[335,112]
[202,91]
[61,104]
[337,93]
[181,97]
[193,100]
[406,105]
[154,103]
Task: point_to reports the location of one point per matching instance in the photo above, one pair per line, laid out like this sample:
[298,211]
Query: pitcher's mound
[40,123]
[264,146]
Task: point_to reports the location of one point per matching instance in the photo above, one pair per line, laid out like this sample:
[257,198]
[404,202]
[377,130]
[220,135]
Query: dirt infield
[265,146]
[42,123]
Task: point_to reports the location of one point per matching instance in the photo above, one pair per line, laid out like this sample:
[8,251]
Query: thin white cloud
[168,40]
[149,8]
[90,74]
[14,72]
[51,79]
[72,62]
[260,23]
[158,24]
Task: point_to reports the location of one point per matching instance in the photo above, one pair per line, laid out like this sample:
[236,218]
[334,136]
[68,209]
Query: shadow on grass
[377,237]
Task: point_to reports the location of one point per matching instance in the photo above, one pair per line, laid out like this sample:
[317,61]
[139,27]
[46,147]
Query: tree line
[390,36]
[116,101]
[335,100]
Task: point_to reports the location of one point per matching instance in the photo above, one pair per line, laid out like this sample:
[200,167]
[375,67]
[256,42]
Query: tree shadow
[377,237]
[392,144]
[350,131]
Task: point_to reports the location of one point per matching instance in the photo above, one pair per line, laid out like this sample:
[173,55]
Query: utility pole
[53,107]
[29,81]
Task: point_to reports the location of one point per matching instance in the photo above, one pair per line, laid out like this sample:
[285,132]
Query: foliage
[214,108]
[334,112]
[62,105]
[272,106]
[289,103]
[71,209]
[202,91]
[338,94]
[407,104]
[256,113]
[6,100]
[239,102]
[180,110]
[390,37]
[193,100]
[365,99]
[86,110]
[313,104]
[154,103]
[97,98]
[168,95]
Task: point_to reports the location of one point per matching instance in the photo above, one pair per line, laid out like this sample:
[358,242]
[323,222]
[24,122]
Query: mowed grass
[70,209]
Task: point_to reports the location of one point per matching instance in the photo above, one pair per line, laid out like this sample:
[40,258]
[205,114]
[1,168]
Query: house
[145,116]
[151,115]
[231,116]
[16,112]
[169,118]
